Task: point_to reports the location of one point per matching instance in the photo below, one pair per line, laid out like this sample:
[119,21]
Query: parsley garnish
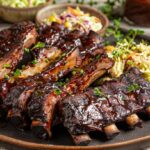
[17,73]
[74,72]
[6,66]
[61,83]
[81,71]
[34,61]
[39,45]
[115,30]
[130,62]
[62,55]
[27,50]
[6,76]
[98,57]
[97,92]
[57,91]
[46,60]
[133,87]
[67,80]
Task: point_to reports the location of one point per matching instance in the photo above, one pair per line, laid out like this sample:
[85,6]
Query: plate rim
[32,145]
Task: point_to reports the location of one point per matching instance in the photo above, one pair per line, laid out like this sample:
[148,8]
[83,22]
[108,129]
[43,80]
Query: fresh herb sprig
[108,7]
[17,73]
[126,43]
[39,45]
[115,31]
[133,87]
[97,92]
[57,91]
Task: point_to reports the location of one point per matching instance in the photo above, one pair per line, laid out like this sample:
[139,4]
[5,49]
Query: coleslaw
[21,3]
[136,56]
[76,19]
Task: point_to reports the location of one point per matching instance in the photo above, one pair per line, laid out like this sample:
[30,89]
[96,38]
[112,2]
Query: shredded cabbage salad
[138,55]
[22,3]
[76,19]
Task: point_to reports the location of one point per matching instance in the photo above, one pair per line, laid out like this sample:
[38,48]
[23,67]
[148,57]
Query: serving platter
[128,139]
[138,138]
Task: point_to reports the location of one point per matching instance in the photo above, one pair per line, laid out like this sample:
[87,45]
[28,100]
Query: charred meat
[109,103]
[13,41]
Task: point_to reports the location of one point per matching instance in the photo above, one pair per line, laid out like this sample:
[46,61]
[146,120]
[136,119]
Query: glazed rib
[50,37]
[91,48]
[13,41]
[41,108]
[71,58]
[109,103]
[42,55]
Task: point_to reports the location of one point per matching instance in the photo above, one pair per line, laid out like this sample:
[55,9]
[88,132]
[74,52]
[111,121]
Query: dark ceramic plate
[136,139]
[127,139]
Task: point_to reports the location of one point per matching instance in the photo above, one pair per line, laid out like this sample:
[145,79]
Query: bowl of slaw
[14,11]
[74,16]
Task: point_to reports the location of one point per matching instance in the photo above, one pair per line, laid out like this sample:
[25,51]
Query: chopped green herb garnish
[6,65]
[39,45]
[62,55]
[97,92]
[115,31]
[74,72]
[34,61]
[6,76]
[91,59]
[133,87]
[130,62]
[27,50]
[98,57]
[17,73]
[46,60]
[38,92]
[61,83]
[67,80]
[57,91]
[81,71]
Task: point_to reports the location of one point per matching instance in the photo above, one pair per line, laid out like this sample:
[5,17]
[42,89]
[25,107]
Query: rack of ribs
[44,53]
[72,56]
[43,102]
[99,108]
